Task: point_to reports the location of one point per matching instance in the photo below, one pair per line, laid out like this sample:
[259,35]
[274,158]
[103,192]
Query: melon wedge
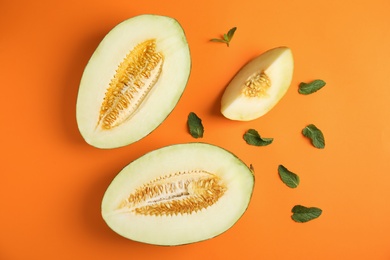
[259,85]
[178,194]
[133,81]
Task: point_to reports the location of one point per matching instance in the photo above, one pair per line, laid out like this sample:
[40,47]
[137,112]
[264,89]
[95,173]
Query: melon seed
[179,193]
[256,85]
[134,78]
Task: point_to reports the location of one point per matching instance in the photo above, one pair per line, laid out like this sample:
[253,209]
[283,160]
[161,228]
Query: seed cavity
[256,85]
[134,79]
[184,192]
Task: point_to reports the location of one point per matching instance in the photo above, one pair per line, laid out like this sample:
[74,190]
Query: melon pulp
[178,194]
[133,81]
[258,86]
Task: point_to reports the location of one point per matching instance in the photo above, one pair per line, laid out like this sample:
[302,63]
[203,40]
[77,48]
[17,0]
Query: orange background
[53,182]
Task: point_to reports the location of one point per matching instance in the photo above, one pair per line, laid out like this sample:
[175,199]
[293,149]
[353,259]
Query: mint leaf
[311,87]
[289,178]
[315,135]
[195,125]
[252,137]
[231,33]
[218,40]
[226,37]
[303,214]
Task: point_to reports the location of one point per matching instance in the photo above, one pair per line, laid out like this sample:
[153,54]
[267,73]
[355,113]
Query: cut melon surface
[178,194]
[259,85]
[133,81]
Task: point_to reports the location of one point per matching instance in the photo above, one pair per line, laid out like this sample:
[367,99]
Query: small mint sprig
[311,87]
[288,177]
[302,214]
[252,137]
[315,135]
[195,125]
[227,37]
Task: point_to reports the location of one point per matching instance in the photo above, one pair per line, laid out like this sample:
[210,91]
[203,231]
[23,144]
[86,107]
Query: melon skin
[278,65]
[171,41]
[181,228]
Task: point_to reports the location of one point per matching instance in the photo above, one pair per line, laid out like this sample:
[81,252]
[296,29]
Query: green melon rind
[170,231]
[101,67]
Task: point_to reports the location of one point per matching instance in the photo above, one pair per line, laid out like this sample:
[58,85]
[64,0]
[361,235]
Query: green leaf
[218,40]
[195,125]
[226,37]
[252,137]
[231,33]
[289,178]
[311,87]
[303,214]
[315,135]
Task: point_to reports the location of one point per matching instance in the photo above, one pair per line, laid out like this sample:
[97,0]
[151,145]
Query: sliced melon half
[178,194]
[133,81]
[259,85]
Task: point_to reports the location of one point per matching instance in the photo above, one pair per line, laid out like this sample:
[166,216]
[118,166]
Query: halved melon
[259,85]
[133,81]
[178,194]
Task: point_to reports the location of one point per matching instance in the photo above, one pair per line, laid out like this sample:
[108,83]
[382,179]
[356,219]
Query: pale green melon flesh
[183,228]
[278,65]
[159,102]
